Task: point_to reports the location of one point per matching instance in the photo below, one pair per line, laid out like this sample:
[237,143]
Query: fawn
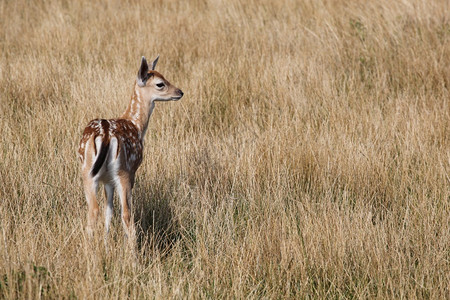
[111,150]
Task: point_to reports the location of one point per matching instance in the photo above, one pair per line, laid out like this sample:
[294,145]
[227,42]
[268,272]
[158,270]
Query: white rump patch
[98,144]
[114,148]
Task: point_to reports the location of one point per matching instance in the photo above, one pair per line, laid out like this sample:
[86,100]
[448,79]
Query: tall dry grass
[309,157]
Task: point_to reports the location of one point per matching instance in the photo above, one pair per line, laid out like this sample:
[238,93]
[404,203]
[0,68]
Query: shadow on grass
[156,227]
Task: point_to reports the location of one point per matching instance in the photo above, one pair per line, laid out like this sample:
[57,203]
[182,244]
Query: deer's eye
[160,85]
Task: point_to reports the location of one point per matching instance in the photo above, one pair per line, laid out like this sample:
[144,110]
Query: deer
[111,150]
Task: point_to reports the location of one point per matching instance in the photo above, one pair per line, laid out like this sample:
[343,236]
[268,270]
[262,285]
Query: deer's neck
[139,111]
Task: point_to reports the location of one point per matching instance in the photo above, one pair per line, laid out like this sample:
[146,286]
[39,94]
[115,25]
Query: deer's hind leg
[90,190]
[124,186]
[90,184]
[109,194]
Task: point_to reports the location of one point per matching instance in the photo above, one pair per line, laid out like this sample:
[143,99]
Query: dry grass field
[309,157]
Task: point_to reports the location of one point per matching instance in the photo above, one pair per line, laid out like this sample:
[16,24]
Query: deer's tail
[100,158]
[104,148]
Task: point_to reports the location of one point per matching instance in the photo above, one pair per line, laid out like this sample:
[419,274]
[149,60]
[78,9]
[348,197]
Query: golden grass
[309,157]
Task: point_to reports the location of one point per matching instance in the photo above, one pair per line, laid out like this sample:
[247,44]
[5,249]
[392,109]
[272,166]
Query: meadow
[309,157]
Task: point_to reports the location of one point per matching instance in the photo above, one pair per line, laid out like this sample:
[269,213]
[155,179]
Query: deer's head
[152,86]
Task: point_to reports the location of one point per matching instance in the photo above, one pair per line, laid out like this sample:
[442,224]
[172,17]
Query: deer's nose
[180,92]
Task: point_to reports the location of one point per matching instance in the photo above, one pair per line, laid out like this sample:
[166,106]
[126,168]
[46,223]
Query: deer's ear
[154,63]
[143,73]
